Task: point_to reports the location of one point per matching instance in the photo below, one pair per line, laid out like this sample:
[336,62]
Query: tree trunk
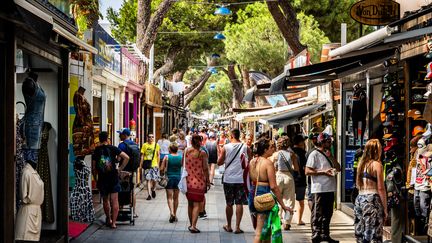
[285,18]
[143,20]
[152,28]
[168,65]
[237,86]
[193,90]
[178,76]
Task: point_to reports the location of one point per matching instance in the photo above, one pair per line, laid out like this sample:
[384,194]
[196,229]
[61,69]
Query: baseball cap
[390,143]
[415,114]
[417,130]
[390,120]
[323,137]
[390,104]
[124,131]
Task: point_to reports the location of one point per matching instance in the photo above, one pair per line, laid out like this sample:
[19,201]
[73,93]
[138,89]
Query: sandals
[225,227]
[193,231]
[239,231]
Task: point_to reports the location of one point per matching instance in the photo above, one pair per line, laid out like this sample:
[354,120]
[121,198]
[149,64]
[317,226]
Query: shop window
[110,124]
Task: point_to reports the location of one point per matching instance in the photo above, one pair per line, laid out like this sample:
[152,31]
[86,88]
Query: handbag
[148,162]
[264,202]
[182,183]
[163,180]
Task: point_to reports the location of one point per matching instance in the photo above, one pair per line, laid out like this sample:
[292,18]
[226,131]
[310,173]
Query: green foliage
[312,36]
[330,14]
[123,22]
[255,40]
[214,100]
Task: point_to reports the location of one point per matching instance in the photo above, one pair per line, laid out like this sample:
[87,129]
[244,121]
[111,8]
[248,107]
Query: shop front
[36,39]
[130,66]
[152,115]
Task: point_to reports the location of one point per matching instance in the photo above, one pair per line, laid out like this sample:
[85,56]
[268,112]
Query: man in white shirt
[232,180]
[322,167]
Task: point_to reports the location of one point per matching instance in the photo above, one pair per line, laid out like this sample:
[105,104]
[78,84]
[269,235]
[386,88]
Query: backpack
[134,156]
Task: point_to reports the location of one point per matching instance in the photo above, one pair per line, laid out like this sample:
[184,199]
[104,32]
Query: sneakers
[148,198]
[153,194]
[172,219]
[203,215]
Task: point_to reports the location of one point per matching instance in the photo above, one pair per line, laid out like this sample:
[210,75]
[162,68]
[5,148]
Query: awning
[290,117]
[306,77]
[109,77]
[256,115]
[72,38]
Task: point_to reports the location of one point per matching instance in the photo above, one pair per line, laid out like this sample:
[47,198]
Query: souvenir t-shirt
[147,150]
[422,167]
[320,183]
[105,157]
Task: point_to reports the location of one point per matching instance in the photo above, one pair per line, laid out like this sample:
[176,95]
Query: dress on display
[82,130]
[19,160]
[29,217]
[33,118]
[45,174]
[81,201]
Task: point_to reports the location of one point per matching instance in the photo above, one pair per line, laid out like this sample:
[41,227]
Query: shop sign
[107,56]
[349,169]
[375,12]
[153,95]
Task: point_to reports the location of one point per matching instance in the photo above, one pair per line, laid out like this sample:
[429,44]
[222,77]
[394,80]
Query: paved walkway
[153,226]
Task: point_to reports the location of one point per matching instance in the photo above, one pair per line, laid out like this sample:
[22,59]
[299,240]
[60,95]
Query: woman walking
[371,204]
[286,164]
[262,174]
[198,182]
[171,165]
[182,143]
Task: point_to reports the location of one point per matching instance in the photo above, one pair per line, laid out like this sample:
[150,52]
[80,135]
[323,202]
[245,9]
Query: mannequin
[29,217]
[82,130]
[359,112]
[422,193]
[35,98]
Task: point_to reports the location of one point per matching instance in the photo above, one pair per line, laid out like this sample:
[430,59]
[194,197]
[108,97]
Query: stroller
[125,198]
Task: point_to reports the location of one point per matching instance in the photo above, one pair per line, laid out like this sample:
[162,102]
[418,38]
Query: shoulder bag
[232,160]
[287,163]
[148,162]
[264,202]
[183,183]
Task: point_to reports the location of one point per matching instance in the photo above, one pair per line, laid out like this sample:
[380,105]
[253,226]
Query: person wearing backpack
[105,164]
[133,151]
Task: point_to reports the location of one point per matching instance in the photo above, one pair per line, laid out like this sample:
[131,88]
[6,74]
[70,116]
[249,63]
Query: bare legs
[260,224]
[229,213]
[300,213]
[193,211]
[212,171]
[172,200]
[111,208]
[151,185]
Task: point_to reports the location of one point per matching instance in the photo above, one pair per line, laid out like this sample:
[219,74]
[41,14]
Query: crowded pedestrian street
[152,225]
[225,121]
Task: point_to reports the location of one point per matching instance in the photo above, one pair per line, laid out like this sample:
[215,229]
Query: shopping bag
[183,184]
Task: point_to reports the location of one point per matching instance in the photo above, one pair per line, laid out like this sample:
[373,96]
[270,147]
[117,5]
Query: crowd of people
[269,176]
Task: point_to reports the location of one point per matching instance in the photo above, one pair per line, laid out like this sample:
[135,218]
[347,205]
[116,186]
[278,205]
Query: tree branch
[286,20]
[192,91]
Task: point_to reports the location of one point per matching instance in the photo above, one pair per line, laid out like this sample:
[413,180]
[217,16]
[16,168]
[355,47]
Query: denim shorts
[260,191]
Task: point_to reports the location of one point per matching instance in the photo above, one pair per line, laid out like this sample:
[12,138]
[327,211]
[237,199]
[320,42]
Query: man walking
[322,167]
[132,150]
[233,179]
[150,163]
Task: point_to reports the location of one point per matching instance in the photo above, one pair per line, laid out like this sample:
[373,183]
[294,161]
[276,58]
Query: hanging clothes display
[19,161]
[359,111]
[29,217]
[81,201]
[45,174]
[82,130]
[35,99]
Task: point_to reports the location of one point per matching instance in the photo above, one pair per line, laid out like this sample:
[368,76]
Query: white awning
[107,76]
[292,116]
[256,115]
[362,42]
[77,41]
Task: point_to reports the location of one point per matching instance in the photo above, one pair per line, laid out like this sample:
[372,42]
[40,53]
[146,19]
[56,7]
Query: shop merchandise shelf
[419,103]
[418,87]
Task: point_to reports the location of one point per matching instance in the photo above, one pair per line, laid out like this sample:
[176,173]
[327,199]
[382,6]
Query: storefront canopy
[298,79]
[290,117]
[256,115]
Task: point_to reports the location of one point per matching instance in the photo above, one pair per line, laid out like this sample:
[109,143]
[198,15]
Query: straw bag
[263,202]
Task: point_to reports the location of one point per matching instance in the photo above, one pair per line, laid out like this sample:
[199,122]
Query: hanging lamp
[215,55]
[222,10]
[219,36]
[212,70]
